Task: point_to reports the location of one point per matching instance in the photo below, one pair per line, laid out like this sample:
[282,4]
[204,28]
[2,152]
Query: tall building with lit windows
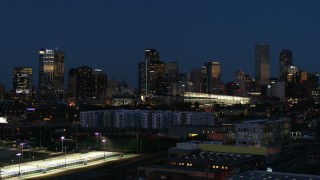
[262,64]
[99,83]
[150,73]
[22,80]
[239,78]
[51,73]
[213,83]
[285,61]
[84,82]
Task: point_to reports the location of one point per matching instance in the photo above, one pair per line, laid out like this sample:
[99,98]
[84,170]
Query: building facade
[285,60]
[262,64]
[86,82]
[150,73]
[213,83]
[51,74]
[99,83]
[22,80]
[145,119]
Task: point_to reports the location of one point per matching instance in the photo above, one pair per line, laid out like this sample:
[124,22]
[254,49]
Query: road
[116,170]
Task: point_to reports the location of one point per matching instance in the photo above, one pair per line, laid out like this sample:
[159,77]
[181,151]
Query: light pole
[97,134]
[104,148]
[158,143]
[76,136]
[62,138]
[29,151]
[65,157]
[21,144]
[137,143]
[19,154]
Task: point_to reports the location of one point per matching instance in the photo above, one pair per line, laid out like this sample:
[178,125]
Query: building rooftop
[216,158]
[263,175]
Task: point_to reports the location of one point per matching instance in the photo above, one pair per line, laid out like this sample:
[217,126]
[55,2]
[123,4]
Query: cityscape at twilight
[152,90]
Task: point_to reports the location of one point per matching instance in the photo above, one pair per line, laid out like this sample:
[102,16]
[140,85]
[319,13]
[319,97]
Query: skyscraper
[99,83]
[262,64]
[213,76]
[285,60]
[84,82]
[22,80]
[51,73]
[196,79]
[171,74]
[239,78]
[150,72]
[72,83]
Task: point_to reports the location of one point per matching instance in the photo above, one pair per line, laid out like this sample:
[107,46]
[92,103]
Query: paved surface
[59,164]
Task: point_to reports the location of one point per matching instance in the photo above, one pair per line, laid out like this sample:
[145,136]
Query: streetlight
[104,149]
[97,134]
[21,144]
[29,150]
[19,154]
[158,143]
[65,157]
[137,143]
[62,138]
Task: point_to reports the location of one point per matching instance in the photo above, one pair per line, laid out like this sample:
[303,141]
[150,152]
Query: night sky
[112,34]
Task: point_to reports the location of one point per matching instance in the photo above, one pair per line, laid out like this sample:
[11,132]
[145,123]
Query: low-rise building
[203,165]
[146,119]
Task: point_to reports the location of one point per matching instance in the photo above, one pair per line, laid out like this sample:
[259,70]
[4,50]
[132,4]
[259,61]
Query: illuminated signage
[3,120]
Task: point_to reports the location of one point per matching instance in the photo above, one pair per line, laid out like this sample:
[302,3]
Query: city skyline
[107,35]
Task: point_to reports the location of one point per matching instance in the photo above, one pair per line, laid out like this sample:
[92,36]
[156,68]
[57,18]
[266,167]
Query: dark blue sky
[112,34]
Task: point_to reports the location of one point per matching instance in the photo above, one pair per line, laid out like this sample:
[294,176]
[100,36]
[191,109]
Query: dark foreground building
[203,166]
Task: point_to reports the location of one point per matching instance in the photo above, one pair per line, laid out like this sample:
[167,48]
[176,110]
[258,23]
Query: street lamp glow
[19,154]
[62,138]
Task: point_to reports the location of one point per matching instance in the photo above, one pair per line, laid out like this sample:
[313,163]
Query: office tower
[196,79]
[239,78]
[84,82]
[51,74]
[213,76]
[249,84]
[203,84]
[99,83]
[262,64]
[171,75]
[170,66]
[285,60]
[72,83]
[22,80]
[1,92]
[151,55]
[150,72]
[292,72]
